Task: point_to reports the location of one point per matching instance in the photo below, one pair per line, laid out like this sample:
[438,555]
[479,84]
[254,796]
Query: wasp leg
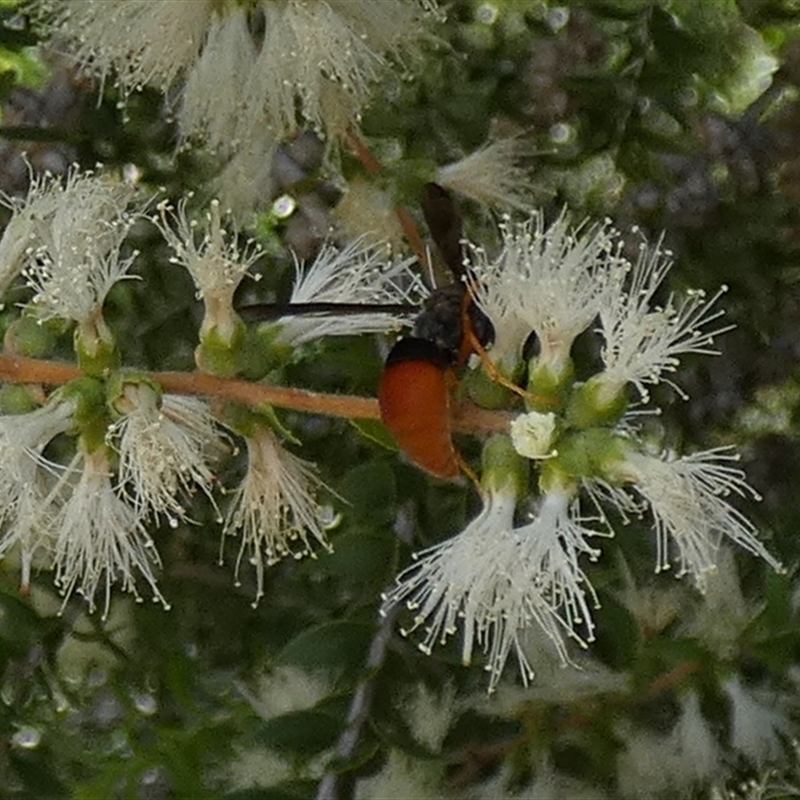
[471,474]
[535,400]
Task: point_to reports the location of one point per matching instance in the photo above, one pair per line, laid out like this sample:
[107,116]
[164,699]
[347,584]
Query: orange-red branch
[467,418]
[253,394]
[16,369]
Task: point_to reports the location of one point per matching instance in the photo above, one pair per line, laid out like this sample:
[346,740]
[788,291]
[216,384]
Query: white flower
[212,101]
[274,507]
[430,714]
[491,175]
[21,236]
[687,499]
[403,776]
[324,54]
[164,448]
[214,259]
[756,726]
[99,540]
[721,621]
[360,273]
[547,783]
[74,290]
[282,690]
[642,341]
[495,581]
[143,43]
[554,543]
[458,579]
[245,182]
[532,434]
[245,66]
[653,608]
[26,479]
[551,280]
[66,238]
[23,437]
[660,766]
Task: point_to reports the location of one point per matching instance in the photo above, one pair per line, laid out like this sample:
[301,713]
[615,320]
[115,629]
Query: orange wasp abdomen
[414,397]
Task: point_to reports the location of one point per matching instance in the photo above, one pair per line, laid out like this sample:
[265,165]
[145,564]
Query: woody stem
[467,418]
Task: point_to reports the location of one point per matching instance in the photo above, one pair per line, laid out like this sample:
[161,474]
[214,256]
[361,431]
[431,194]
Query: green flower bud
[29,337]
[219,353]
[117,401]
[95,346]
[17,398]
[549,387]
[591,404]
[91,415]
[587,453]
[503,467]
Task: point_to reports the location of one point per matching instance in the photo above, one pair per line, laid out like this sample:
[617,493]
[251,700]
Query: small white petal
[532,434]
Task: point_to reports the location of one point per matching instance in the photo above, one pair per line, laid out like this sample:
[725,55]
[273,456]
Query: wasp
[418,380]
[419,376]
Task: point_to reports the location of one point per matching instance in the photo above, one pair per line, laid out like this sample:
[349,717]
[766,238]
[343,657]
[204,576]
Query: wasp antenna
[445,224]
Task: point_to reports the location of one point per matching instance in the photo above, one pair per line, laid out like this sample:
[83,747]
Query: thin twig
[330,785]
[410,230]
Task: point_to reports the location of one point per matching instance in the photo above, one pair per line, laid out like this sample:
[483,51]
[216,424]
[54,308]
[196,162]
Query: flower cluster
[129,455]
[499,578]
[244,67]
[87,471]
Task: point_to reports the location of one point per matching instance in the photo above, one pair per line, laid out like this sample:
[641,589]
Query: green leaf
[617,634]
[361,556]
[330,646]
[376,432]
[619,9]
[371,491]
[299,732]
[36,771]
[287,790]
[20,627]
